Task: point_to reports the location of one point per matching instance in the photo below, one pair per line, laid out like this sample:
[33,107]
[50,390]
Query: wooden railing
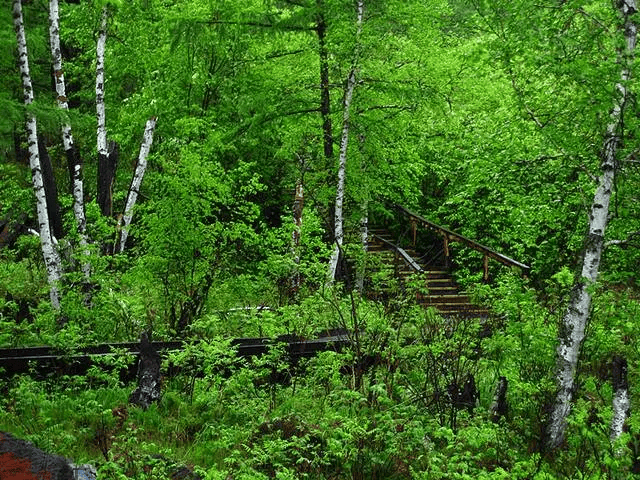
[449,236]
[400,253]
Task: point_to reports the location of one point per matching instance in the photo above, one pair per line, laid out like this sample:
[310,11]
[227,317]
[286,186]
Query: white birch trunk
[577,315]
[75,165]
[58,74]
[344,143]
[49,252]
[134,190]
[621,401]
[67,137]
[100,110]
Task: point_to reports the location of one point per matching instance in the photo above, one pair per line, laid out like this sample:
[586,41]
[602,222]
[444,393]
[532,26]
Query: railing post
[396,263]
[485,268]
[447,261]
[414,228]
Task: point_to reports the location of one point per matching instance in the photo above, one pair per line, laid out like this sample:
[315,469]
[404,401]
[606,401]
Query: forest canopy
[207,170]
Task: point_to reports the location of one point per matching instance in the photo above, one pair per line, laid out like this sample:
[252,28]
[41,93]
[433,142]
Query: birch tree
[74,161]
[50,254]
[136,182]
[106,158]
[73,158]
[344,143]
[621,403]
[576,316]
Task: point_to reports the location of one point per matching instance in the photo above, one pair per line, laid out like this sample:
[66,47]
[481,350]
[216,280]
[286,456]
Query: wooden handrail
[450,236]
[407,258]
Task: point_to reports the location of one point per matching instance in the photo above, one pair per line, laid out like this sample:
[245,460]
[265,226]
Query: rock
[21,460]
[84,472]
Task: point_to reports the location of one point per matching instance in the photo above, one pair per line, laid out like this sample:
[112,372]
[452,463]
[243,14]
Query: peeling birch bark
[49,252]
[106,164]
[134,190]
[576,317]
[621,401]
[100,110]
[73,158]
[344,143]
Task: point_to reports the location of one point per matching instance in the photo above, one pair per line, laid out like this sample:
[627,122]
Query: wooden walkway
[432,263]
[442,291]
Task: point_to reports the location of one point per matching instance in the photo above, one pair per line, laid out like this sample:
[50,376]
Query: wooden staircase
[440,288]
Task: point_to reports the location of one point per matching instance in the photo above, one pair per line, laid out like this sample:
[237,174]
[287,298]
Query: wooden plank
[49,359]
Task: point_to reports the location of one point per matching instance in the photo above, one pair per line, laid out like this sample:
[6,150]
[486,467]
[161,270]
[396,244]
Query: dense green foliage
[484,116]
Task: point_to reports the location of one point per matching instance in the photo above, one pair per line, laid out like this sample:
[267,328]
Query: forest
[207,171]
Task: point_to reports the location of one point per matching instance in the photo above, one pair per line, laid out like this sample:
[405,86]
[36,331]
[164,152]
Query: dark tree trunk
[149,382]
[11,228]
[107,165]
[465,395]
[50,191]
[192,307]
[500,407]
[325,101]
[22,154]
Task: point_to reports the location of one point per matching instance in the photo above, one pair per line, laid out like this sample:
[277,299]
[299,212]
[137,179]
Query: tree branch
[386,107]
[630,240]
[293,28]
[284,54]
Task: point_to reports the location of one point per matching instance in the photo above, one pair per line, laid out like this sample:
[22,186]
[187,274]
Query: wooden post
[413,231]
[447,262]
[485,268]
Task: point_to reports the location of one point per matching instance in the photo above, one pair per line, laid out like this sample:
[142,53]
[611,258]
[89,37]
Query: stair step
[437,272]
[455,307]
[443,279]
[443,292]
[444,298]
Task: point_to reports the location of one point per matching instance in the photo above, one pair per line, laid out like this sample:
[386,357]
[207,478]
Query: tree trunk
[344,143]
[325,101]
[106,165]
[134,190]
[499,407]
[74,161]
[298,204]
[50,191]
[49,252]
[364,235]
[149,381]
[621,402]
[577,314]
